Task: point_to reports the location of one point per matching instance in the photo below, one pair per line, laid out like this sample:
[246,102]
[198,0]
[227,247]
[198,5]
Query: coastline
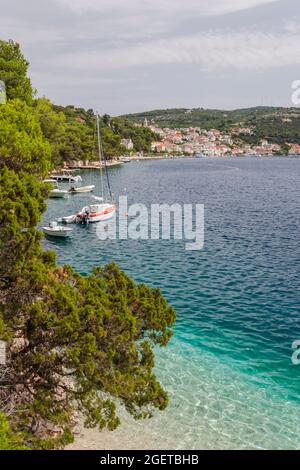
[80,165]
[221,393]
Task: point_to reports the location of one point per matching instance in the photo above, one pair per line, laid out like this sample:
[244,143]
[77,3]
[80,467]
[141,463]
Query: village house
[127,143]
[158,147]
[212,143]
[294,149]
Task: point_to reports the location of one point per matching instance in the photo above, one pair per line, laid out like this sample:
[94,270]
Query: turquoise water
[228,369]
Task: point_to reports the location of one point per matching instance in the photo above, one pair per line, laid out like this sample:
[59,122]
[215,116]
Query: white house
[127,143]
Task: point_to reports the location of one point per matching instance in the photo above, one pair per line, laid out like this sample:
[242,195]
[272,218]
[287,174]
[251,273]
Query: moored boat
[49,181]
[82,189]
[55,230]
[58,193]
[96,213]
[66,176]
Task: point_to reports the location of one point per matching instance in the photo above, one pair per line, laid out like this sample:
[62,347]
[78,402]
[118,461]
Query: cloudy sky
[120,56]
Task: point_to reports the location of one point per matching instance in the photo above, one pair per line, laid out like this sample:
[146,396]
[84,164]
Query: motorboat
[49,181]
[58,193]
[66,176]
[82,189]
[96,213]
[55,230]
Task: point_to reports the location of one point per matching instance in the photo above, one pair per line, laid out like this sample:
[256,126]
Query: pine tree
[75,344]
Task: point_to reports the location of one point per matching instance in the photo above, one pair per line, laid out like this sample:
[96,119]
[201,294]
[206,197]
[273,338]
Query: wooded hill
[278,125]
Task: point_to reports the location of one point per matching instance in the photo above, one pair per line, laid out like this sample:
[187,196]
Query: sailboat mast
[100,155]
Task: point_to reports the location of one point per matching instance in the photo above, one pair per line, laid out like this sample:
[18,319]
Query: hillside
[80,134]
[275,124]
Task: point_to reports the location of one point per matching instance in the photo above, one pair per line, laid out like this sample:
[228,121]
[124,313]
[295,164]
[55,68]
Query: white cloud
[200,7]
[211,51]
[292,26]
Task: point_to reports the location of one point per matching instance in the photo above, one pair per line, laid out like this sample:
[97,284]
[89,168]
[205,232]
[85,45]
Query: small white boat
[96,213]
[82,189]
[71,219]
[66,176]
[55,230]
[49,181]
[58,193]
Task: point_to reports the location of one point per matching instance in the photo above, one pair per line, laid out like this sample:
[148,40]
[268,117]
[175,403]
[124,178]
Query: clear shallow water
[228,369]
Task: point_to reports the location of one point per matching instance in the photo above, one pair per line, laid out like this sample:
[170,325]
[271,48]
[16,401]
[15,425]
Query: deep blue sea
[228,369]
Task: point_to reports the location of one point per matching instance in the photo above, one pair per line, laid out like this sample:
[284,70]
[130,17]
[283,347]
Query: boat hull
[67,178]
[100,213]
[84,189]
[57,233]
[58,194]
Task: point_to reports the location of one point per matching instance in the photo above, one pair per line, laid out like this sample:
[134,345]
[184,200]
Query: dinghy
[58,193]
[55,230]
[82,189]
[71,219]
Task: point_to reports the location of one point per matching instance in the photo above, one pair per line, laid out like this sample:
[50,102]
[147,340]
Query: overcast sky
[120,56]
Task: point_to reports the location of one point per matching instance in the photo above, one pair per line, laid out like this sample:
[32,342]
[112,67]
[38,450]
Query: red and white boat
[96,213]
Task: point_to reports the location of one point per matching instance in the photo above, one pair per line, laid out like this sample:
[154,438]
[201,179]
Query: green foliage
[81,341]
[280,129]
[111,143]
[86,341]
[100,329]
[206,119]
[8,439]
[77,114]
[13,71]
[285,148]
[141,137]
[79,142]
[251,139]
[74,343]
[53,125]
[70,138]
[21,205]
[22,144]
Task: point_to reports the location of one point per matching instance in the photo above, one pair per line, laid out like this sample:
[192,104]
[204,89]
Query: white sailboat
[106,209]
